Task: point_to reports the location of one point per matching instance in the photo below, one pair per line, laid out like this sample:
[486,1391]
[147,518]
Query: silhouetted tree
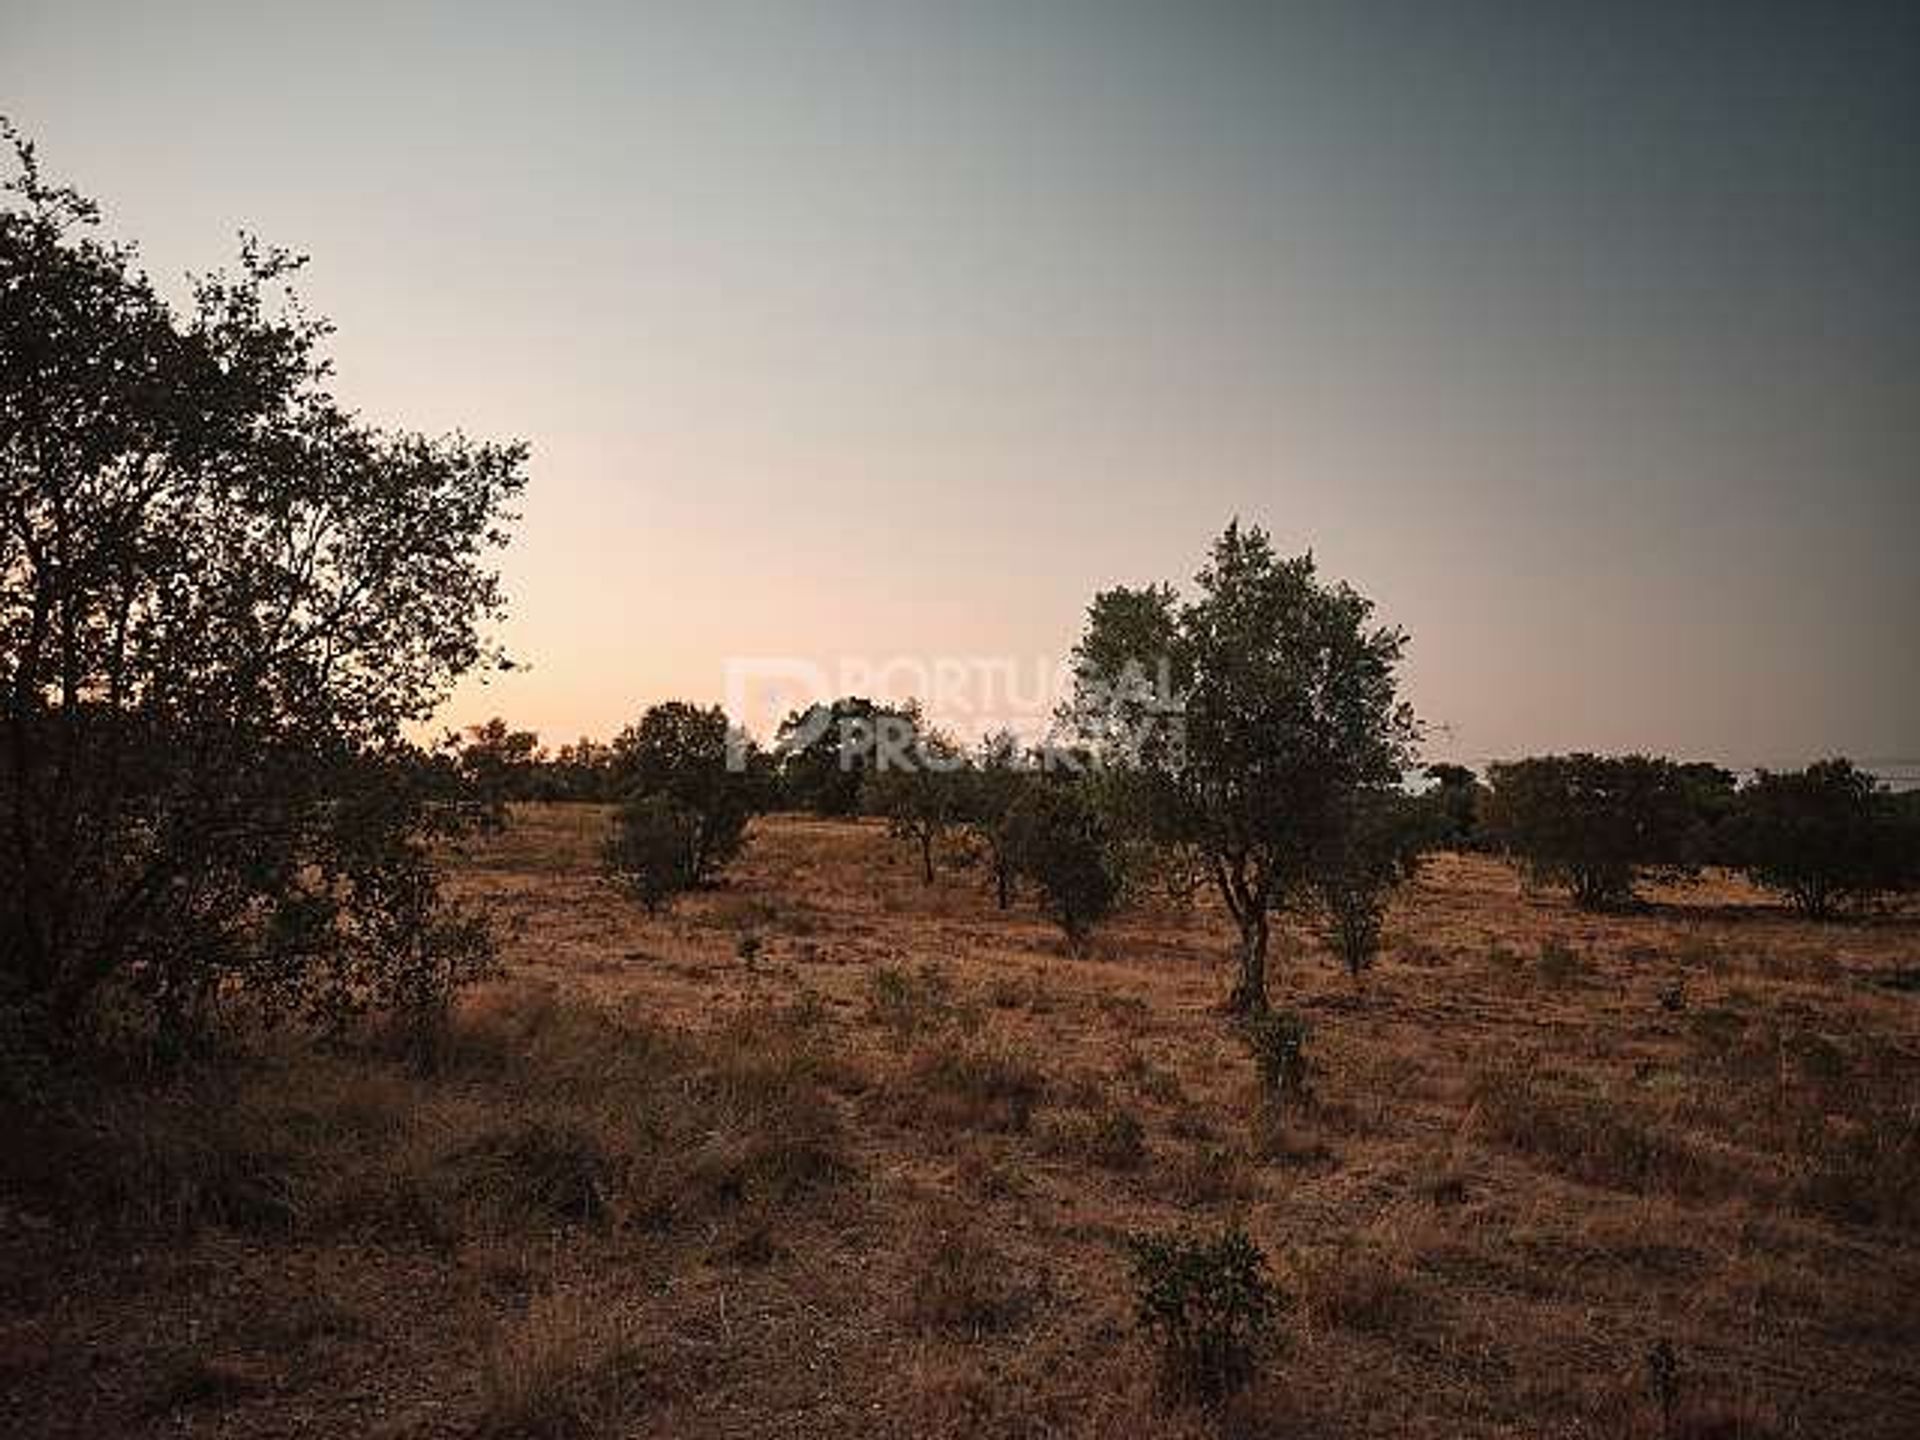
[653,851]
[922,797]
[1825,837]
[1455,799]
[501,764]
[825,752]
[1288,709]
[1055,838]
[713,772]
[581,771]
[1595,823]
[224,602]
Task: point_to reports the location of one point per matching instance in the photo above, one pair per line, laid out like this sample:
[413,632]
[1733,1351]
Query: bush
[1279,1044]
[710,771]
[1372,852]
[1207,1306]
[651,852]
[1825,837]
[1055,838]
[1596,823]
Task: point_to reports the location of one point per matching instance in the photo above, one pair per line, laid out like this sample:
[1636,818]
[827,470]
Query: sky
[873,338]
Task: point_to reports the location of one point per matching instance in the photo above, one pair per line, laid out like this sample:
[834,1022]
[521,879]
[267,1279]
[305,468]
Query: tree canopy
[1266,704]
[225,599]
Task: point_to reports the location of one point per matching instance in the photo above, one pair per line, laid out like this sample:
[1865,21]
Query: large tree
[1262,708]
[225,601]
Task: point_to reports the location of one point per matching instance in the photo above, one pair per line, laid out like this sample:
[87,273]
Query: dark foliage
[711,772]
[825,752]
[1055,839]
[224,601]
[1597,823]
[1825,837]
[1363,862]
[653,850]
[1456,797]
[920,794]
[1207,1305]
[1264,706]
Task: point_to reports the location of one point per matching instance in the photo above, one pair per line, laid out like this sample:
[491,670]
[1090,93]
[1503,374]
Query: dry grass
[874,1174]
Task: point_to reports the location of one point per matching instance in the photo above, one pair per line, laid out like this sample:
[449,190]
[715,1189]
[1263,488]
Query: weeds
[973,1085]
[567,1372]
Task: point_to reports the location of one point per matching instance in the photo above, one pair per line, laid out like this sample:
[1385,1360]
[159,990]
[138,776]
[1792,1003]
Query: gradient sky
[1586,339]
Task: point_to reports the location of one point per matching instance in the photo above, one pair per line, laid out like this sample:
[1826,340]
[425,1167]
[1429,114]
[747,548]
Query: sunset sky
[1585,339]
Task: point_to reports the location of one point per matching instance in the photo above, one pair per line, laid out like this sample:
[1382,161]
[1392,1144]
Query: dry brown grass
[874,1175]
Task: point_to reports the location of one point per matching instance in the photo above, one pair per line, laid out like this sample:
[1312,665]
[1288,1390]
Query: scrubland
[825,1150]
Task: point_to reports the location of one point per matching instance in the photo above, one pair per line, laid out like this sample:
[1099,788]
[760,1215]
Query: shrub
[1056,839]
[651,852]
[1207,1306]
[1279,1044]
[1596,823]
[1824,837]
[710,771]
[1372,852]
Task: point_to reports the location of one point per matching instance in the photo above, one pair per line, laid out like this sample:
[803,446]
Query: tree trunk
[926,857]
[1250,990]
[1003,883]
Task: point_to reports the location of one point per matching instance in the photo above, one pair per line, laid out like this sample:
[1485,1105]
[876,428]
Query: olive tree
[1597,824]
[1265,704]
[826,751]
[1825,837]
[226,601]
[920,792]
[710,770]
[1056,839]
[502,764]
[992,785]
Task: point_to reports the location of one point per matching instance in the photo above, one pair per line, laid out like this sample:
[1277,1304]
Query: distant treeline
[1827,837]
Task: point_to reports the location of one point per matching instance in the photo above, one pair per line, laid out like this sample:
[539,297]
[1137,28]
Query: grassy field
[827,1151]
